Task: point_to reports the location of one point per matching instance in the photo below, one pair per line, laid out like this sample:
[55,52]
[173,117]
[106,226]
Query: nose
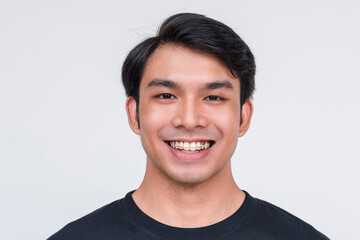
[190,115]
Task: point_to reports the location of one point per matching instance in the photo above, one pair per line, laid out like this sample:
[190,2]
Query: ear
[246,114]
[131,114]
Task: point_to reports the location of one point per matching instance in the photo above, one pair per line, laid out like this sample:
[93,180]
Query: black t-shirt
[122,219]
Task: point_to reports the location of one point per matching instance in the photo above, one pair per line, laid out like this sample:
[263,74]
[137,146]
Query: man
[189,91]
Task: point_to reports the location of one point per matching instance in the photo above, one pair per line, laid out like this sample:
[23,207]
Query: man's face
[189,113]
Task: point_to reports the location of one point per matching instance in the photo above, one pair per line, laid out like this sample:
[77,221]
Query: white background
[65,145]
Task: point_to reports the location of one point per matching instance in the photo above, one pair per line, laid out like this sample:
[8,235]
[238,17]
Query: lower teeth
[189,151]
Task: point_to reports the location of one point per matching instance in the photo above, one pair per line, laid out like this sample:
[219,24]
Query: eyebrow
[157,82]
[163,83]
[218,84]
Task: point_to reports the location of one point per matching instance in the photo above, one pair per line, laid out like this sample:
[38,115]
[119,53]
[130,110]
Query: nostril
[189,122]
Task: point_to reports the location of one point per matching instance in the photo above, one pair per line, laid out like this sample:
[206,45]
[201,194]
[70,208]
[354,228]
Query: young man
[189,91]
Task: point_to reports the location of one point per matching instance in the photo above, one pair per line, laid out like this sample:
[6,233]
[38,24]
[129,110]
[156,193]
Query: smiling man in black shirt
[189,99]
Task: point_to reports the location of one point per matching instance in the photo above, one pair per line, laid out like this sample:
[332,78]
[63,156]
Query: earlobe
[132,115]
[246,114]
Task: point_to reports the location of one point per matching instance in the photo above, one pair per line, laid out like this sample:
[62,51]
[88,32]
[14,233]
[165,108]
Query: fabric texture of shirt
[254,220]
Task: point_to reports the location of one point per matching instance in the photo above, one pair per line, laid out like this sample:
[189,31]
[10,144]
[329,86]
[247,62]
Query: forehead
[185,66]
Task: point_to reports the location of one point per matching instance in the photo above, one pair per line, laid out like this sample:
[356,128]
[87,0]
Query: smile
[190,147]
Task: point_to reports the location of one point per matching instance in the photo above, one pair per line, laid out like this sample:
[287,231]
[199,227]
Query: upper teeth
[189,146]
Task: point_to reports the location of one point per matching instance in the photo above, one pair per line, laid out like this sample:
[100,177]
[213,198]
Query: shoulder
[276,221]
[99,222]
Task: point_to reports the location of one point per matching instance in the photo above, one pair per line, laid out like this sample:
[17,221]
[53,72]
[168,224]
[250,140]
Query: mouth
[191,147]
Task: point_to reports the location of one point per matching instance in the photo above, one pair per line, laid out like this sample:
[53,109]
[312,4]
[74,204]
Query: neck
[189,205]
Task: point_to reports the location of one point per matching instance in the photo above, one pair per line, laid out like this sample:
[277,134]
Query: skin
[188,96]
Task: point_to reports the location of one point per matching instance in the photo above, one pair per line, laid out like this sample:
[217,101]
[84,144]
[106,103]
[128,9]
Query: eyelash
[162,96]
[208,98]
[217,98]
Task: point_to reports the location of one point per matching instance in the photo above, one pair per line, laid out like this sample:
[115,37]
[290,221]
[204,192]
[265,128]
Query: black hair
[198,33]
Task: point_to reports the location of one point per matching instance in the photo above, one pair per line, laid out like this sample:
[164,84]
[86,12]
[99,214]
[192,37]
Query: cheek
[229,116]
[153,119]
[228,122]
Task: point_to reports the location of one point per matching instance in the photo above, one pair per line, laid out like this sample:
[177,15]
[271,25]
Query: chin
[190,178]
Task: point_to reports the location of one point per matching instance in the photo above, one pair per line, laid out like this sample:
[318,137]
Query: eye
[213,98]
[166,96]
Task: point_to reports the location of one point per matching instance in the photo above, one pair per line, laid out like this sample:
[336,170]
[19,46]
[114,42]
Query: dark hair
[198,33]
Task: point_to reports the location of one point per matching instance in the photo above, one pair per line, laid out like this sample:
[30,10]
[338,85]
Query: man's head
[189,90]
[200,34]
